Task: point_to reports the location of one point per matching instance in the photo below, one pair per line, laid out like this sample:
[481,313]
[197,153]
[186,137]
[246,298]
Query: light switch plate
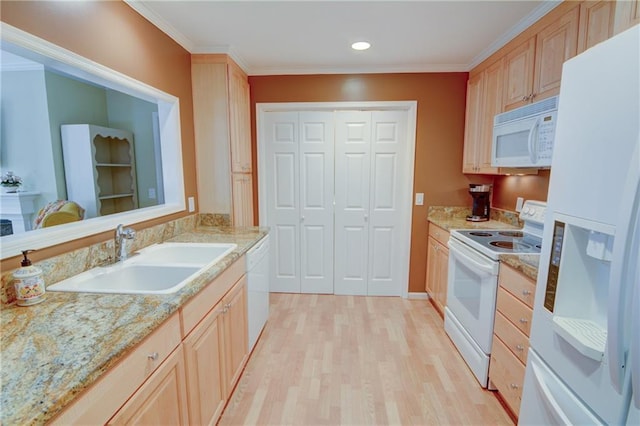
[519,203]
[192,204]
[419,199]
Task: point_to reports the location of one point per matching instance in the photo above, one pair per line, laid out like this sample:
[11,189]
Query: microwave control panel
[546,133]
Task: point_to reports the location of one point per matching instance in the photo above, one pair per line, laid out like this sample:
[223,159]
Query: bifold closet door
[352,166]
[369,213]
[299,173]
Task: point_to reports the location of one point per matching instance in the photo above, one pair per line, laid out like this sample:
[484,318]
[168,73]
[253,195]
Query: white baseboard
[418,295]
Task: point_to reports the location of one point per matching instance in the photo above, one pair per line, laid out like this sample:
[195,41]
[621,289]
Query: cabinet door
[627,14]
[242,199]
[443,275]
[518,75]
[554,45]
[161,399]
[596,23]
[432,270]
[204,369]
[473,123]
[492,105]
[239,120]
[235,333]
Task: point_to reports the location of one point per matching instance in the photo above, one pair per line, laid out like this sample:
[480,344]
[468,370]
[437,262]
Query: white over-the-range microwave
[523,137]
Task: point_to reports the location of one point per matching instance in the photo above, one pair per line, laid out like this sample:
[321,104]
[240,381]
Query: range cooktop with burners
[473,283]
[494,242]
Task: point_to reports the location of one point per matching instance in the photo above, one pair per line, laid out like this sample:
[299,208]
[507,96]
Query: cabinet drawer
[517,284]
[513,338]
[507,374]
[516,311]
[439,234]
[196,309]
[111,391]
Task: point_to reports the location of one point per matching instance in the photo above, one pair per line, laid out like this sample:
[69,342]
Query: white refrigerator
[584,360]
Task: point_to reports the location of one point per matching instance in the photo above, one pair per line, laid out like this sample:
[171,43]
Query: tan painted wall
[114,35]
[439,133]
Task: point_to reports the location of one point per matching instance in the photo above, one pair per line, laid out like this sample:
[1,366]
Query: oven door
[471,291]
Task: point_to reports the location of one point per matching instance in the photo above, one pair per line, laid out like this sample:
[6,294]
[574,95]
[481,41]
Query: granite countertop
[54,350]
[526,264]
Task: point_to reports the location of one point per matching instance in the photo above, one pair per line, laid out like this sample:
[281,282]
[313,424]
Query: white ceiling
[309,37]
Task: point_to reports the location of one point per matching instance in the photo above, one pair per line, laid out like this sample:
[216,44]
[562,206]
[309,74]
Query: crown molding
[544,8]
[163,25]
[420,68]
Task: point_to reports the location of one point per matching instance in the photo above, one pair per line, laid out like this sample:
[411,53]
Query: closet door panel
[283,210]
[352,174]
[316,197]
[387,213]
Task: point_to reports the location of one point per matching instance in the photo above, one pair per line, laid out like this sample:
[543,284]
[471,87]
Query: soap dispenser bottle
[28,282]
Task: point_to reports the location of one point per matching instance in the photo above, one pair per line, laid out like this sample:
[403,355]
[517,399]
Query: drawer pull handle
[153,356]
[513,386]
[526,292]
[523,320]
[520,348]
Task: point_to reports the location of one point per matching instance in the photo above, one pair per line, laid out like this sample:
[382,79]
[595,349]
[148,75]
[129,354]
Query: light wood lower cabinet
[205,380]
[511,335]
[184,372]
[235,333]
[437,266]
[160,400]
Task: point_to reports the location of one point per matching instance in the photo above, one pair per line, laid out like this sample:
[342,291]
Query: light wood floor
[344,360]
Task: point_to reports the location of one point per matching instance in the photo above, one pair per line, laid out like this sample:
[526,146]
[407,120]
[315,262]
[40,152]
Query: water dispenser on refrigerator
[578,281]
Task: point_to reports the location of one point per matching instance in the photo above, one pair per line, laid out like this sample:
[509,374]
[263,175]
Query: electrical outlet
[192,204]
[419,199]
[519,203]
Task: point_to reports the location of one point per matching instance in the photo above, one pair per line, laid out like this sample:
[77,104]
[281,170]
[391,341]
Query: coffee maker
[481,207]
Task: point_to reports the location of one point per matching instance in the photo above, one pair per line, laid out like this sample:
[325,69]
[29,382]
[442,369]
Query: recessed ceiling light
[361,45]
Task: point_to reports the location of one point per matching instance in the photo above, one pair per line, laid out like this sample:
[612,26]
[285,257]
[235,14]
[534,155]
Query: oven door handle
[464,254]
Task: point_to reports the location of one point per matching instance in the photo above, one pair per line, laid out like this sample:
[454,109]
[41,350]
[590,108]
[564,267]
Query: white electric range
[473,282]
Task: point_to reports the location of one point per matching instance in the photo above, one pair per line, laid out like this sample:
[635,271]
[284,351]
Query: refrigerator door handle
[533,142]
[622,273]
[554,408]
[634,352]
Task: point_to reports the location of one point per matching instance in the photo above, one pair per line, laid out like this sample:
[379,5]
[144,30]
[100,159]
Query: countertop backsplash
[66,265]
[447,212]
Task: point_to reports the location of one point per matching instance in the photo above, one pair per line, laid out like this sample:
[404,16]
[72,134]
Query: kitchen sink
[158,269]
[199,254]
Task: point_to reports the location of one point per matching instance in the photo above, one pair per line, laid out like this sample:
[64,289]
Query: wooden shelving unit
[99,164]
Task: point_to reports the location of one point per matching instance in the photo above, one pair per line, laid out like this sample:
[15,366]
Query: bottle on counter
[28,282]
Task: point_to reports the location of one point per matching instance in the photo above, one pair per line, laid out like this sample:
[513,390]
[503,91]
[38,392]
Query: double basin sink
[158,269]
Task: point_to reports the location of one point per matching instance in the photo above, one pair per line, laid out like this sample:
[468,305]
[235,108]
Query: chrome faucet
[122,235]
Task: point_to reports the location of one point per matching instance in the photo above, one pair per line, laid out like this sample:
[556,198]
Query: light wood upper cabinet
[533,68]
[492,105]
[239,120]
[554,45]
[627,14]
[484,101]
[473,123]
[596,23]
[518,75]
